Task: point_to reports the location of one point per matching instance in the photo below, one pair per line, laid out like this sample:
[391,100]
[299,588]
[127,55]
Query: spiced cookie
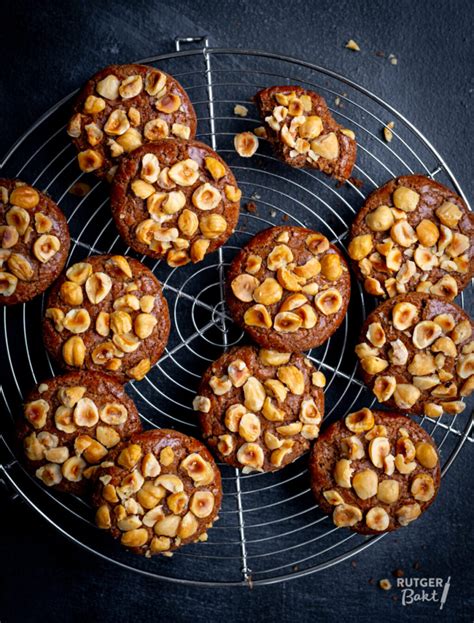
[416,354]
[175,200]
[123,106]
[70,423]
[303,132]
[374,471]
[413,234]
[288,288]
[260,409]
[107,313]
[34,241]
[161,491]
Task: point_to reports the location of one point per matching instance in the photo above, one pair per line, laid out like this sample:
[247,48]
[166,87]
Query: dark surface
[49,49]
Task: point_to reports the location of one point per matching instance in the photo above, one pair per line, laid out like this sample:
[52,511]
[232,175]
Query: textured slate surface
[47,53]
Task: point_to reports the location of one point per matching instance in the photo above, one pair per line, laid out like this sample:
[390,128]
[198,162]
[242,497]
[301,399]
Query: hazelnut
[465,366]
[130,140]
[220,385]
[36,412]
[70,396]
[243,287]
[212,225]
[398,354]
[309,412]
[206,197]
[446,287]
[102,324]
[405,199]
[394,259]
[233,415]
[98,285]
[424,383]
[202,504]
[34,450]
[380,219]
[225,444]
[365,483]
[363,350]
[403,466]
[251,455]
[421,364]
[444,345]
[273,357]
[86,413]
[406,395]
[238,372]
[289,429]
[199,249]
[377,519]
[427,232]
[333,497]
[311,128]
[326,146]
[253,264]
[9,236]
[376,334]
[360,246]
[167,456]
[169,103]
[215,167]
[426,454]
[293,378]
[353,448]
[422,487]
[63,419]
[8,283]
[373,365]
[77,320]
[254,393]
[271,412]
[468,387]
[258,316]
[144,325]
[155,82]
[168,526]
[388,491]
[461,332]
[20,267]
[287,322]
[127,303]
[107,436]
[279,257]
[78,273]
[360,421]
[288,280]
[19,219]
[249,427]
[109,87]
[49,474]
[318,379]
[425,333]
[317,243]
[379,448]
[126,342]
[45,247]
[73,468]
[268,292]
[346,515]
[150,168]
[312,268]
[113,413]
[403,315]
[408,513]
[198,469]
[147,303]
[449,214]
[74,351]
[57,455]
[331,266]
[202,403]
[343,473]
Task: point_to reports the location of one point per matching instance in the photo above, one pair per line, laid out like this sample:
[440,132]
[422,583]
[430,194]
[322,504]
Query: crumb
[261,132]
[251,207]
[241,111]
[273,213]
[352,45]
[255,196]
[385,584]
[393,59]
[380,53]
[284,218]
[387,131]
[398,573]
[417,565]
[358,183]
[337,101]
[395,597]
[295,568]
[354,564]
[371,581]
[79,189]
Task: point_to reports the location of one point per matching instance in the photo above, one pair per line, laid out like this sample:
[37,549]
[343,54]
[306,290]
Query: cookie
[413,234]
[107,313]
[34,242]
[123,106]
[70,423]
[416,353]
[161,491]
[288,288]
[374,471]
[260,409]
[175,200]
[303,132]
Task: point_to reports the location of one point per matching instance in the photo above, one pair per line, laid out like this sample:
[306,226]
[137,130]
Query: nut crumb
[352,45]
[393,59]
[380,53]
[387,131]
[251,207]
[398,573]
[261,132]
[241,111]
[79,189]
[385,584]
[337,101]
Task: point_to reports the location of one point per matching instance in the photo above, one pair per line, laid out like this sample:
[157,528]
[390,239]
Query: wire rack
[270,528]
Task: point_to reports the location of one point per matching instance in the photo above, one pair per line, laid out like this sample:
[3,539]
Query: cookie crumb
[385,584]
[251,207]
[354,564]
[240,110]
[380,53]
[79,189]
[393,59]
[417,565]
[352,45]
[398,573]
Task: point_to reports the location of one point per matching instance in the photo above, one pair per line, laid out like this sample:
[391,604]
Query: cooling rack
[270,528]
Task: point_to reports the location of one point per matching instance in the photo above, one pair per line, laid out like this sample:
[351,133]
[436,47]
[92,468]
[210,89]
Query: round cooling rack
[270,528]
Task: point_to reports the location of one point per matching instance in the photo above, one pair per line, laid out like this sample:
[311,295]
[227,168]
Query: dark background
[48,49]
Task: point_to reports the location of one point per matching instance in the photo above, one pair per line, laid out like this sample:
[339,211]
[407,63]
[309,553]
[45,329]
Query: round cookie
[289,288]
[416,354]
[123,106]
[34,242]
[260,409]
[374,471]
[413,234]
[70,423]
[107,313]
[161,491]
[175,200]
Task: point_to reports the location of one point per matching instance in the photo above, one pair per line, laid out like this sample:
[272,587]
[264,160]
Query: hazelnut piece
[388,491]
[380,219]
[422,487]
[360,246]
[377,519]
[346,515]
[251,455]
[360,421]
[403,315]
[365,483]
[343,473]
[258,316]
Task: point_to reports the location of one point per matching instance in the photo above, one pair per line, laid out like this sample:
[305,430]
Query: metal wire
[270,528]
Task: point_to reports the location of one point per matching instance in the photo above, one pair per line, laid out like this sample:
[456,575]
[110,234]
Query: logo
[416,590]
